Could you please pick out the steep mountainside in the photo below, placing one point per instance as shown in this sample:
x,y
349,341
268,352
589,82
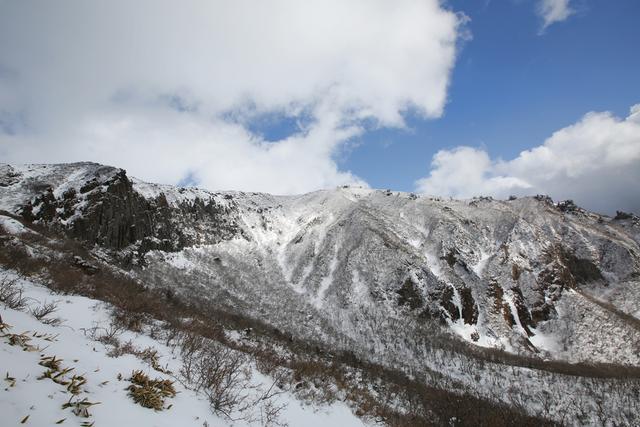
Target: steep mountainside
x,y
362,265
392,277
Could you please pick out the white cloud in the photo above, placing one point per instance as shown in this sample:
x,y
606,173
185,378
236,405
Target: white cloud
x,y
595,162
466,172
165,89
552,11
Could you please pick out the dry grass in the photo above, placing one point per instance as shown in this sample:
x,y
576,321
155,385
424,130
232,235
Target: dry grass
x,y
11,381
21,340
148,355
150,393
80,407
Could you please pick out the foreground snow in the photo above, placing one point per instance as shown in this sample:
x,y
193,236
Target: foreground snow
x,y
39,402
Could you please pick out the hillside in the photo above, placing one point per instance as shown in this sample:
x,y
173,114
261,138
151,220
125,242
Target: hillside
x,y
97,362
447,292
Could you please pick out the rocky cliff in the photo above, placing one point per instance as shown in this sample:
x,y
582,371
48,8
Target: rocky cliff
x,y
98,205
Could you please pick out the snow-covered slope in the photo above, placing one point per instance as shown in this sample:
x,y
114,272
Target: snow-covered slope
x,y
101,398
357,263
397,279
348,264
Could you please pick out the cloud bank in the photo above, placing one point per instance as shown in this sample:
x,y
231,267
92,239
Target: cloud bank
x,y
552,11
595,162
169,89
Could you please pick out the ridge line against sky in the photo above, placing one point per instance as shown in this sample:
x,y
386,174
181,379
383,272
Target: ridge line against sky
x,y
288,97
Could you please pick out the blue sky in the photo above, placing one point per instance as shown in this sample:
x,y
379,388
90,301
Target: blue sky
x,y
506,96
512,88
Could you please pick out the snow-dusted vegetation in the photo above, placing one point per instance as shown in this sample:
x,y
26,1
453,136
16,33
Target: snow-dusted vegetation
x,y
398,309
65,360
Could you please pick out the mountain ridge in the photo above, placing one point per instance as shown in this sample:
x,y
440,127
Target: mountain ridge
x,y
395,278
303,237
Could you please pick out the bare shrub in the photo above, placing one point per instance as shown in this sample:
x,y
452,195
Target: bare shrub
x,y
191,345
220,373
270,413
131,320
106,335
11,293
270,409
44,311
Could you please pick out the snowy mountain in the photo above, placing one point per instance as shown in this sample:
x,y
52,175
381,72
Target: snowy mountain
x,y
446,291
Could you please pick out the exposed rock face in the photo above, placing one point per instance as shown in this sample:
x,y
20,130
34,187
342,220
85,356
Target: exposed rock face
x,y
101,207
107,213
8,176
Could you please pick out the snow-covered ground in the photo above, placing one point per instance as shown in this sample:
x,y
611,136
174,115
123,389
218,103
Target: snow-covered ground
x,y
26,344
12,226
